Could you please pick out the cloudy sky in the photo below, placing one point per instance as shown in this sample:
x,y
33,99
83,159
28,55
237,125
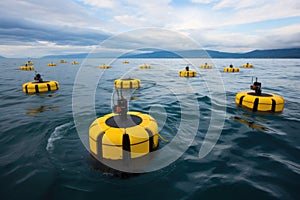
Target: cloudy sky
x,y
33,28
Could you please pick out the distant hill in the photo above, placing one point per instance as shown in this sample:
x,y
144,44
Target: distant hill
x,y
79,55
273,53
152,53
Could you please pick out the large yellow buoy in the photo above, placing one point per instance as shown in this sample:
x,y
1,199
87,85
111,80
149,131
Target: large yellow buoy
x,y
74,63
38,87
28,67
112,138
258,101
127,83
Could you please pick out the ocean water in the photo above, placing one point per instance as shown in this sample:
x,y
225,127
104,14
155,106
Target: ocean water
x,y
250,155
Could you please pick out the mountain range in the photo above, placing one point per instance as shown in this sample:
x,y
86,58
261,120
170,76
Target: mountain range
x,y
153,53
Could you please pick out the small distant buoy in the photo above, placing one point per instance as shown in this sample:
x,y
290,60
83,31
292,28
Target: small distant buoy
x,y
104,66
206,66
63,61
125,62
116,139
127,83
259,101
74,63
51,64
38,87
247,65
229,69
29,67
189,73
145,66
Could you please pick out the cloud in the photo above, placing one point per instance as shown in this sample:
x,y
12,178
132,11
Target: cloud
x,y
221,24
102,3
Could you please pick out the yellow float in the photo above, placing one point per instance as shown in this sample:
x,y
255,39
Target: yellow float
x,y
123,134
74,63
229,69
145,67
104,66
38,87
63,61
247,65
28,67
190,73
127,83
125,62
206,66
112,137
258,101
51,64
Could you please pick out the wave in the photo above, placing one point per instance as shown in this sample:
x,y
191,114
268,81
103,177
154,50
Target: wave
x,y
58,134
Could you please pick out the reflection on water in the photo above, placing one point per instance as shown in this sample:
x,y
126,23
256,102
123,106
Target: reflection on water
x,y
251,124
32,111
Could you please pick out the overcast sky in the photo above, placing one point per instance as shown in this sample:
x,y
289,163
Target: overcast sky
x,y
33,28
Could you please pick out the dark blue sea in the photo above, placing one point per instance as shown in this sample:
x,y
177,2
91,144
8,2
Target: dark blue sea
x,y
215,149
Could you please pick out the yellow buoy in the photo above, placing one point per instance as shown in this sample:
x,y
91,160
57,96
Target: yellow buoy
x,y
229,69
206,66
145,67
63,61
74,63
258,101
127,83
28,67
104,66
38,87
266,102
189,73
125,62
115,139
51,64
247,65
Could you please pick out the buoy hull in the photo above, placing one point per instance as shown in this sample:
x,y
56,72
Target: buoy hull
x,y
185,73
267,102
36,87
127,83
110,140
27,68
228,69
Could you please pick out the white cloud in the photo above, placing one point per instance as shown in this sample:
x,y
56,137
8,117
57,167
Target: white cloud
x,y
202,1
101,3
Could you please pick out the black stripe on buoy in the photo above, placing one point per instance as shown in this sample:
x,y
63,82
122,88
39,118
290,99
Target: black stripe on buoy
x,y
151,142
255,104
49,88
37,89
131,85
56,85
26,88
241,100
99,145
273,105
126,146
121,84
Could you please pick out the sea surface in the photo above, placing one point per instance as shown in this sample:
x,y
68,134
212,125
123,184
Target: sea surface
x,y
248,155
